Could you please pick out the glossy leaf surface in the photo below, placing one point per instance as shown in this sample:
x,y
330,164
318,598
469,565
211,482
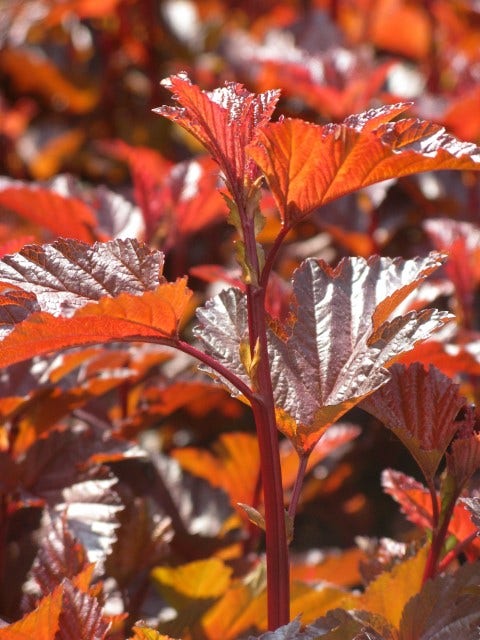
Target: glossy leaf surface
x,y
308,165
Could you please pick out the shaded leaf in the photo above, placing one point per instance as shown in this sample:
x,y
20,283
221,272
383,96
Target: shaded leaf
x,y
308,165
291,631
32,73
420,407
343,340
81,616
339,624
447,606
59,556
233,466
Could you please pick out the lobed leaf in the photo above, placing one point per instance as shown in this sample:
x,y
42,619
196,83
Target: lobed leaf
x,y
308,165
420,406
343,340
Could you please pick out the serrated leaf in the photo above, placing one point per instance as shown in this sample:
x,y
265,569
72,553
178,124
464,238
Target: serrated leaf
x,y
67,274
42,623
290,631
225,121
413,497
153,316
473,505
420,406
81,615
447,607
343,340
463,458
308,165
59,556
404,580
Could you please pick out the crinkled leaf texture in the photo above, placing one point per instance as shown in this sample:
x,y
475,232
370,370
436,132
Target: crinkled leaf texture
x,y
225,121
87,295
420,407
446,607
344,338
290,631
308,165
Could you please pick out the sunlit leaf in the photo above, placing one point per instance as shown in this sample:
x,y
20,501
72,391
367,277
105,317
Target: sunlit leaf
x,y
42,623
191,589
153,316
63,216
81,616
225,121
420,407
343,340
308,165
413,497
143,633
67,274
404,580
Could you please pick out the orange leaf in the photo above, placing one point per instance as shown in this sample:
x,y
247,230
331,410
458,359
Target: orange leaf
x,y
63,216
41,624
153,316
30,73
308,165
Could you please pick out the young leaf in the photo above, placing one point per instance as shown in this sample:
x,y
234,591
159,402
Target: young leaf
x,y
308,165
413,497
420,407
343,340
225,121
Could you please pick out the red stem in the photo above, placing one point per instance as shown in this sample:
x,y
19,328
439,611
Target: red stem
x,y
439,534
278,579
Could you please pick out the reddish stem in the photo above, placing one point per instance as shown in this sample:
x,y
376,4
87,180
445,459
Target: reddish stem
x,y
439,534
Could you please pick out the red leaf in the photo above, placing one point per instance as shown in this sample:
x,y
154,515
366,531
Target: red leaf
x,y
63,216
308,165
420,407
414,499
225,121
